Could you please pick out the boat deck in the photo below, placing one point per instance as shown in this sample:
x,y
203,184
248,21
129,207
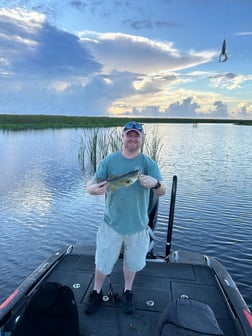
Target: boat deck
x,y
154,287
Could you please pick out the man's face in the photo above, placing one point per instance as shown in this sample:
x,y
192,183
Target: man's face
x,y
132,140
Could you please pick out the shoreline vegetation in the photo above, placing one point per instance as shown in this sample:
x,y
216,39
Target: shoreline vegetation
x,y
16,122
97,143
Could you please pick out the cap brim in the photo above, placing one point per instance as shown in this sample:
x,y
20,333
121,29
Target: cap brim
x,y
133,129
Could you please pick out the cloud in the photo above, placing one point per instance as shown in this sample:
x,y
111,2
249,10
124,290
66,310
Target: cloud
x,y
47,70
228,80
39,58
79,75
186,108
97,95
190,108
139,54
79,5
148,24
243,34
243,111
50,9
29,42
220,111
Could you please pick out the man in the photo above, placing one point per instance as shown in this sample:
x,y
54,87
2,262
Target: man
x,y
125,215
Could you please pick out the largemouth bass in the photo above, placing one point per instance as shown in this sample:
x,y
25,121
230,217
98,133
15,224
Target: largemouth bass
x,y
122,181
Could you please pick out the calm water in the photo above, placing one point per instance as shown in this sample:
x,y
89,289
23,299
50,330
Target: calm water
x,y
43,203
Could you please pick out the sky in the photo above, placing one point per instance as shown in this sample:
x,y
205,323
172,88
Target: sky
x,y
144,58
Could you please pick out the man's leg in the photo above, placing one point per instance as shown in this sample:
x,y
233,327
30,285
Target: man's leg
x,y
108,245
135,251
128,278
99,280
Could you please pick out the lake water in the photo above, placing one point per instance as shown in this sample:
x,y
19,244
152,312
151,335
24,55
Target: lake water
x,y
44,205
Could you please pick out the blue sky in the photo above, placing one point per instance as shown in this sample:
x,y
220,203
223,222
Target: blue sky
x,y
155,58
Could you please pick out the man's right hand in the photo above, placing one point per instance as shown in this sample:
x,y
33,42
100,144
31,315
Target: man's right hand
x,y
94,188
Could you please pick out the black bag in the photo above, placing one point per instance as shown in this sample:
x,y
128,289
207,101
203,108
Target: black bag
x,y
188,317
51,311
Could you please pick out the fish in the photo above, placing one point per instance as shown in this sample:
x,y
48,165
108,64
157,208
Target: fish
x,y
126,180
223,52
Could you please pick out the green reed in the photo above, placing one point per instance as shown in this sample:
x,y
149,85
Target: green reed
x,y
97,143
153,147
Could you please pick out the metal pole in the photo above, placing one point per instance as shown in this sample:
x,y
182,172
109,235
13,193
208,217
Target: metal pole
x,y
171,216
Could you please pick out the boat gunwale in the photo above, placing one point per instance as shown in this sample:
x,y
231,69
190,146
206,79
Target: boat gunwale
x,y
31,283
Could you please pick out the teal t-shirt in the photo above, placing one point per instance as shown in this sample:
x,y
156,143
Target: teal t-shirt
x,y
126,209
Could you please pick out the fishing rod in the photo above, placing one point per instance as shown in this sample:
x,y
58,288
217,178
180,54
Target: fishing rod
x,y
223,55
112,295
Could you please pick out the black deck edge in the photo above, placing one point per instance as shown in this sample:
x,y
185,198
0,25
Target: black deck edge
x,y
31,282
234,298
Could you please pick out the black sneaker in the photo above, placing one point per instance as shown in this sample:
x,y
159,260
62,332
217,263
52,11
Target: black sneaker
x,y
93,301
128,305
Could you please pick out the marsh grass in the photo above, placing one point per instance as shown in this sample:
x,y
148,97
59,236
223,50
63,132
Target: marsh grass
x,y
18,122
153,147
97,143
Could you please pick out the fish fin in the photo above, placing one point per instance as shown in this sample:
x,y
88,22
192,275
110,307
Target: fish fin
x,y
99,180
112,189
111,177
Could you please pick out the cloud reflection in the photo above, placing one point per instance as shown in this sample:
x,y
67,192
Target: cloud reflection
x,y
31,196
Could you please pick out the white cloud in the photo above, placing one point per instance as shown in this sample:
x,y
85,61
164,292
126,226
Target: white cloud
x,y
243,34
139,54
230,81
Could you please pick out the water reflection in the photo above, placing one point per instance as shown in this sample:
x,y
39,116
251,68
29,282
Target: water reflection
x,y
27,200
43,203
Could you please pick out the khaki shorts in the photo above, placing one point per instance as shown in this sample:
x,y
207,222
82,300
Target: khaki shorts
x,y
108,248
